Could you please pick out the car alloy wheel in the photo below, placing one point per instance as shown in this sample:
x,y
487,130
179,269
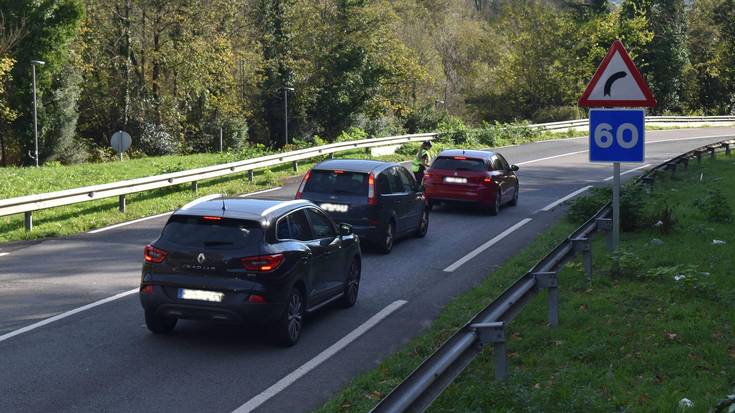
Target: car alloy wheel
x,y
423,224
496,205
387,243
514,202
352,287
295,316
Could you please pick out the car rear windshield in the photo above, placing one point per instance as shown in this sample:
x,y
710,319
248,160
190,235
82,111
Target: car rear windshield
x,y
212,232
337,182
459,163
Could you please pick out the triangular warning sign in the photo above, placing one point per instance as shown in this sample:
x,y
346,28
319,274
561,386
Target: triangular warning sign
x,y
617,82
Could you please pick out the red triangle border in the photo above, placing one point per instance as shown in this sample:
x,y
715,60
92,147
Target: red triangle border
x,y
649,100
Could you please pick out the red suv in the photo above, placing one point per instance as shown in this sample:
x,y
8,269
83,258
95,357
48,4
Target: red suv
x,y
480,177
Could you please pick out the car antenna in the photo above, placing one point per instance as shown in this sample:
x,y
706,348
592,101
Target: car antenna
x,y
223,202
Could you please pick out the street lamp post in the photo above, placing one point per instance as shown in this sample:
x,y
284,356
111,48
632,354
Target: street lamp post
x,y
285,110
35,110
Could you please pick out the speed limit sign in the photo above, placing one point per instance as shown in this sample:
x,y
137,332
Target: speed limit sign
x,y
617,135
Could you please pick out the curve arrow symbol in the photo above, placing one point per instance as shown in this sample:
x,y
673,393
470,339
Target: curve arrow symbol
x,y
611,80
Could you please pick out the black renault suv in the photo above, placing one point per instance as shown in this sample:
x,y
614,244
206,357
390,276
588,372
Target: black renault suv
x,y
248,260
381,200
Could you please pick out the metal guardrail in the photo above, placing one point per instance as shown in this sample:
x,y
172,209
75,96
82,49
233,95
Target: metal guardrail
x,y
436,373
579,123
30,203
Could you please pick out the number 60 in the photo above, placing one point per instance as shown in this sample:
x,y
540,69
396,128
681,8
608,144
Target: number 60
x,y
604,138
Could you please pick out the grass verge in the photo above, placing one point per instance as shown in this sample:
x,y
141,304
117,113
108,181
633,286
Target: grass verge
x,y
641,339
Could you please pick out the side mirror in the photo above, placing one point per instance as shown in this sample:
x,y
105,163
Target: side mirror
x,y
514,168
345,229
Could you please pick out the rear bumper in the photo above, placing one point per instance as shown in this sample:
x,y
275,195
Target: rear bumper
x,y
371,233
234,308
482,195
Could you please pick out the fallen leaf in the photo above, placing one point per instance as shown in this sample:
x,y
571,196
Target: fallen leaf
x,y
672,336
375,395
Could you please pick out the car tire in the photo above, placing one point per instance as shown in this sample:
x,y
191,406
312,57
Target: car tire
x,y
289,325
423,224
158,324
385,245
495,207
514,202
352,285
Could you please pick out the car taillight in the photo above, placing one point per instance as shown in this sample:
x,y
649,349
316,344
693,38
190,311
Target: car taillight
x,y
487,180
153,254
372,199
263,263
256,299
148,289
300,192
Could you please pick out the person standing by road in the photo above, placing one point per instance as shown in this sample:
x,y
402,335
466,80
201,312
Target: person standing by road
x,y
422,161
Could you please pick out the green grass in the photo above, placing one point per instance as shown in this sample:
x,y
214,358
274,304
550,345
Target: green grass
x,y
635,341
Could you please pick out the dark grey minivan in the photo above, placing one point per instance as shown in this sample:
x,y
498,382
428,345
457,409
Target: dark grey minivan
x,y
381,200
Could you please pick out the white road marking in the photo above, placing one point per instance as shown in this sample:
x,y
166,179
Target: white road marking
x,y
283,383
66,314
610,178
477,251
261,192
561,200
2,254
551,157
135,221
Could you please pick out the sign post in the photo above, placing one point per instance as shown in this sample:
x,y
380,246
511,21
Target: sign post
x,y
617,135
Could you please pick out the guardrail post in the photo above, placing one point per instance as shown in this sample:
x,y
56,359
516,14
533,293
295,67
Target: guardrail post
x,y
295,166
605,225
548,280
727,148
121,203
28,221
194,186
711,153
367,151
251,175
494,333
699,158
584,246
685,162
331,155
672,167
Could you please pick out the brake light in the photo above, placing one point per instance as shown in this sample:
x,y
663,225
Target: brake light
x,y
372,200
300,192
263,263
256,299
339,172
460,158
488,180
212,218
153,254
148,289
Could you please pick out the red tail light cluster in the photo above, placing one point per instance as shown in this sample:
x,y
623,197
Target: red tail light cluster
x,y
263,263
148,289
154,255
372,198
487,180
300,192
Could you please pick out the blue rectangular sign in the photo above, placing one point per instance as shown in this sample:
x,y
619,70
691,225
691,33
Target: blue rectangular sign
x,y
617,135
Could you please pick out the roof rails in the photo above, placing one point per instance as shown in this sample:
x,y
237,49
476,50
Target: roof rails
x,y
200,200
283,204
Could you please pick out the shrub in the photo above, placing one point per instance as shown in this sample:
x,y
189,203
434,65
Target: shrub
x,y
582,208
556,114
625,263
155,140
352,134
715,206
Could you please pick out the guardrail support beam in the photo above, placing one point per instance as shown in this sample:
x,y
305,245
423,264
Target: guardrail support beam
x,y
121,203
584,246
28,221
331,155
727,148
295,166
494,333
548,280
605,225
251,175
685,162
711,153
699,158
194,186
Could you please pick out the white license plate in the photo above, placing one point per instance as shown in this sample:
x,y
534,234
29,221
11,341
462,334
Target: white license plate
x,y
201,295
335,207
453,180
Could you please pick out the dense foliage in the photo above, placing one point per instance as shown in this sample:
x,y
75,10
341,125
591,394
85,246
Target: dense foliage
x,y
177,73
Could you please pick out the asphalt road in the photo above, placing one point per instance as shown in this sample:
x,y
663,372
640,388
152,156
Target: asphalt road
x,y
104,359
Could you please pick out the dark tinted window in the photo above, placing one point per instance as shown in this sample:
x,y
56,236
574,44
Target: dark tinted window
x,y
282,229
409,182
337,182
321,226
199,232
299,226
503,162
389,182
459,164
497,165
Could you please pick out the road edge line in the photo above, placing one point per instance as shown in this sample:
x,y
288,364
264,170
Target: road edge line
x,y
472,254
